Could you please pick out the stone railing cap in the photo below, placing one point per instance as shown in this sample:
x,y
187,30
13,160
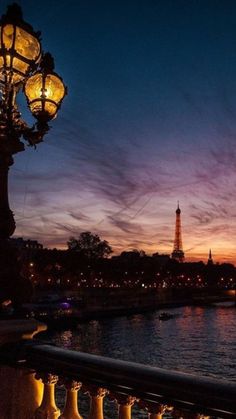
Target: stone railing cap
x,y
17,329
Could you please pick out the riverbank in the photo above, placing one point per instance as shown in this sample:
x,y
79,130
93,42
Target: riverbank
x,y
70,309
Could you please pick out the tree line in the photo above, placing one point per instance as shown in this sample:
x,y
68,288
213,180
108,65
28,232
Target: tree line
x,y
86,262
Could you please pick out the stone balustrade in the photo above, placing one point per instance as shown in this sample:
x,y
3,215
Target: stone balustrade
x,y
32,373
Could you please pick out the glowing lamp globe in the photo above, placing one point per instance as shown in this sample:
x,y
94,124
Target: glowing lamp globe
x,y
20,49
45,91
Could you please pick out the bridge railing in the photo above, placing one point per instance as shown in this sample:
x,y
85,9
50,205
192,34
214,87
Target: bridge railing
x,y
155,392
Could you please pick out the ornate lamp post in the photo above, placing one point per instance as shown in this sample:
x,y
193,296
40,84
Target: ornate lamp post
x,y
23,66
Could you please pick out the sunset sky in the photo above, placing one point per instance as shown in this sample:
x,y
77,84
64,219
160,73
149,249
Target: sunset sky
x,y
150,119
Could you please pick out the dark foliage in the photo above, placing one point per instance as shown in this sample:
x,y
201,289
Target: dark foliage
x,y
90,246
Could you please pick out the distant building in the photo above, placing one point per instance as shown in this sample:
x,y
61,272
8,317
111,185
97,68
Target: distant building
x,y
161,259
28,244
210,260
178,253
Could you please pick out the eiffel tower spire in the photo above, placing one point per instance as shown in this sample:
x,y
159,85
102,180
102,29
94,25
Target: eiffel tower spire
x,y
178,253
210,260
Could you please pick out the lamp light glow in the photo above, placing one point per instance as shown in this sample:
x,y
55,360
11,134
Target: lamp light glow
x,y
20,48
45,91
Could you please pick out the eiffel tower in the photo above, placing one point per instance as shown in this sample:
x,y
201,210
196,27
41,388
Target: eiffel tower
x,y
178,253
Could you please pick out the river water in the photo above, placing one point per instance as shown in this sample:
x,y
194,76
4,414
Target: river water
x,y
199,340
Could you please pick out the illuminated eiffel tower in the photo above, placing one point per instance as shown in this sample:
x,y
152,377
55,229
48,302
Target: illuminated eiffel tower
x,y
178,253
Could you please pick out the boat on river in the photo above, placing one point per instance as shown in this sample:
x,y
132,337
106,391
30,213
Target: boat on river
x,y
165,316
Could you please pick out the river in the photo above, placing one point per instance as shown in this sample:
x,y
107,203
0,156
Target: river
x,y
199,340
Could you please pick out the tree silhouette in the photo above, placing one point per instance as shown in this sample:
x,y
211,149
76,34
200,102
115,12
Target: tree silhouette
x,y
90,246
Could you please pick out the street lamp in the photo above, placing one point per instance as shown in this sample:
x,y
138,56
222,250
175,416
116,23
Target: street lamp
x,y
23,67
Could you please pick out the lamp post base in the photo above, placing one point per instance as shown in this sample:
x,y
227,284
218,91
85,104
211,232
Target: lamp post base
x,y
12,285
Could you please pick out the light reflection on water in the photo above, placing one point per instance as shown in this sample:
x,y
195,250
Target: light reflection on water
x,y
199,340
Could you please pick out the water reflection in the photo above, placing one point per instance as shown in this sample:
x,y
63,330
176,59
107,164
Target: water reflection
x,y
197,339
65,339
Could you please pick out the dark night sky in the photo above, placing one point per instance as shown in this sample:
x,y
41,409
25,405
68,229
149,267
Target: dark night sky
x,y
150,119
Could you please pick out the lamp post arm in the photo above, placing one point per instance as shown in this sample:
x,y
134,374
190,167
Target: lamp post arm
x,y
35,134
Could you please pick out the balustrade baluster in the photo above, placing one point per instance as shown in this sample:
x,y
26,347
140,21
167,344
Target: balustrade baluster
x,y
125,404
156,412
96,401
71,404
48,408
